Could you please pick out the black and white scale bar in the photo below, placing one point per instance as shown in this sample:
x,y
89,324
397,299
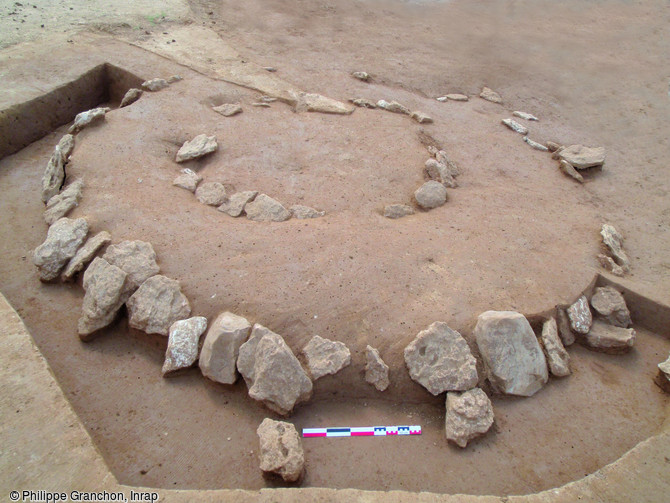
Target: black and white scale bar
x,y
363,431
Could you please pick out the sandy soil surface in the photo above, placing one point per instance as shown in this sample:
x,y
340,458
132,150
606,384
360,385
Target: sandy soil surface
x,y
515,235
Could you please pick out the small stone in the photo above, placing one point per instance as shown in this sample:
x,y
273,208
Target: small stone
x,y
106,291
583,157
611,265
131,96
511,352
440,360
431,195
61,204
515,126
261,104
364,76
556,154
421,118
435,170
606,338
663,376
362,102
136,258
398,210
580,316
567,169
156,305
524,115
267,99
610,304
325,357
614,242
64,238
85,119
273,374
443,158
66,146
265,209
311,102
154,85
457,97
376,371
303,212
564,329
228,109
490,95
281,450
182,349
218,357
211,193
199,146
469,415
441,99
270,69
188,179
54,175
174,78
85,254
237,202
393,106
557,357
535,145
553,146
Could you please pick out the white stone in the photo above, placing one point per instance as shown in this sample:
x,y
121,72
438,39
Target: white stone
x,y
614,242
431,195
182,349
304,212
397,210
154,85
85,119
218,357
376,371
131,96
64,238
607,338
228,109
237,202
515,126
281,450
325,357
524,115
187,179
490,95
265,209
137,258
535,145
457,97
211,193
393,106
85,254
199,146
469,415
581,157
557,357
156,305
611,306
61,204
580,316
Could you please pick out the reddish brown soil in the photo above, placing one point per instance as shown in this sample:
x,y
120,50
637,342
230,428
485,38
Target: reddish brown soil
x,y
515,235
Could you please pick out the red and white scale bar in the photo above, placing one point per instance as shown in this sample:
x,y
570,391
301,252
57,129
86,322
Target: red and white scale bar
x,y
363,431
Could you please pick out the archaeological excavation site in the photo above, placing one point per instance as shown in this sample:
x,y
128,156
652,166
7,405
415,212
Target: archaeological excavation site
x,y
359,250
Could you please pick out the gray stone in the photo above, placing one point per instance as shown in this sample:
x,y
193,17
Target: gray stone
x,y
431,195
272,372
557,357
218,357
325,357
211,193
663,376
310,102
511,352
569,170
441,99
136,258
457,97
364,103
54,175
440,360
535,145
131,96
85,254
614,242
469,415
261,104
268,99
524,115
564,329
580,316
610,304
364,76
435,170
515,126
154,85
583,157
421,117
85,119
106,290
237,202
228,109
490,95
553,146
61,204
376,371
556,154
265,209
187,179
66,146
393,106
182,349
443,158
611,265
199,146
64,238
303,212
281,450
398,210
156,305
174,78
606,338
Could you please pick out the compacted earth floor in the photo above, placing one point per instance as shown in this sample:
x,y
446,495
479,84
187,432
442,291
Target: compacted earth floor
x,y
515,235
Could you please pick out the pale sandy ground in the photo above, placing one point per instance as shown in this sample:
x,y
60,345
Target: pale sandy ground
x,y
515,235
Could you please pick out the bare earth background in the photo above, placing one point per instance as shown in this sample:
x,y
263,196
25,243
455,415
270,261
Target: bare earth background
x,y
515,235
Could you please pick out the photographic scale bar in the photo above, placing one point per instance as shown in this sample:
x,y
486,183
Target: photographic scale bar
x,y
363,431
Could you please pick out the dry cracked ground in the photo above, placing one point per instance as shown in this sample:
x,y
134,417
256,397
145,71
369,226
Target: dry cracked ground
x,y
516,234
